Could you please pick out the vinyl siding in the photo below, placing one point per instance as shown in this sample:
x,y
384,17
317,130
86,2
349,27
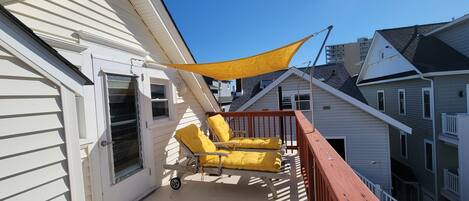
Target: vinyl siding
x,y
117,21
33,155
85,164
166,148
366,136
421,128
456,37
113,20
448,100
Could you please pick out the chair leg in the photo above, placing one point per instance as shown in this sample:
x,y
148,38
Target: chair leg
x,y
271,186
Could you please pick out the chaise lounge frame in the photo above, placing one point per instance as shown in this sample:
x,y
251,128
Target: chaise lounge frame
x,y
189,165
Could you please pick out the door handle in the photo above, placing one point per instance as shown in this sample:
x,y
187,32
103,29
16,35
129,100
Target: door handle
x,y
105,143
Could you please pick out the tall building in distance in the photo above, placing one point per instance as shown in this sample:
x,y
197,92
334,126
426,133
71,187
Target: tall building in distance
x,y
351,55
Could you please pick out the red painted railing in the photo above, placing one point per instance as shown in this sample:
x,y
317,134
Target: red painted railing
x,y
327,177
264,124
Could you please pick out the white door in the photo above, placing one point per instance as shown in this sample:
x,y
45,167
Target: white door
x,y
124,142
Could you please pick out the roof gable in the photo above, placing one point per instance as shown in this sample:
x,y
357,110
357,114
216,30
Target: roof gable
x,y
331,90
383,60
426,53
164,30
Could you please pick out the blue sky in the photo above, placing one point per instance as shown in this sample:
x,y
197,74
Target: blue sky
x,y
218,30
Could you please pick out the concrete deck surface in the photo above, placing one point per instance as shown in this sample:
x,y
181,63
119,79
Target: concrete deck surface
x,y
235,188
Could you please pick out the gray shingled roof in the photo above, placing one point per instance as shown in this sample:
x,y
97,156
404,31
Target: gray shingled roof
x,y
426,53
334,75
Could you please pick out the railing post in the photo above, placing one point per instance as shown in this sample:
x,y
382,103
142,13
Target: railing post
x,y
378,191
250,129
445,179
443,122
282,127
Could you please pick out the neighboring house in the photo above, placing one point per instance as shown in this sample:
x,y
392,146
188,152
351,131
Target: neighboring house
x,y
334,75
102,84
221,90
357,131
419,76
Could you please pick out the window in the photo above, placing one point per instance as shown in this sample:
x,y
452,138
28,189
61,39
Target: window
x,y
380,100
265,83
428,155
401,101
302,102
426,103
159,101
403,141
296,100
122,92
286,103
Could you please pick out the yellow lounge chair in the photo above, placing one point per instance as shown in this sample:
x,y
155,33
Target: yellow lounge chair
x,y
224,135
202,156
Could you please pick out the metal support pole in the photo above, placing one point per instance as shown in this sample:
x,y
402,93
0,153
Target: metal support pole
x,y
219,94
311,73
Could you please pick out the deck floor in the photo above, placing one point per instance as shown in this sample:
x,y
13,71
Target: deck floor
x,y
234,188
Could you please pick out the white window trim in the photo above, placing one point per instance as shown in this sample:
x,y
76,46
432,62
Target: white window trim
x,y
292,94
401,134
169,92
399,102
377,100
431,103
425,142
345,143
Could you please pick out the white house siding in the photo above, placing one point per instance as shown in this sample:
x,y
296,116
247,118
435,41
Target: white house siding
x,y
456,37
114,20
383,61
117,21
33,154
367,140
187,111
85,163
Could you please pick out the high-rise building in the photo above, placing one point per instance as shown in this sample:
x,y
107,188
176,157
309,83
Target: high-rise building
x,y
351,55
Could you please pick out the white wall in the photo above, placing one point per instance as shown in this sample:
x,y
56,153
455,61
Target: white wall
x,y
32,138
116,21
392,63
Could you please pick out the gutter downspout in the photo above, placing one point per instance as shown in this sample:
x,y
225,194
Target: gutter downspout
x,y
432,108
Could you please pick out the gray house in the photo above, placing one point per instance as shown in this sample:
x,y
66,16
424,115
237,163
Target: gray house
x,y
357,131
419,76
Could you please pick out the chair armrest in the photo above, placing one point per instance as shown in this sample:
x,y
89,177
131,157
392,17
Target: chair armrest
x,y
211,153
230,144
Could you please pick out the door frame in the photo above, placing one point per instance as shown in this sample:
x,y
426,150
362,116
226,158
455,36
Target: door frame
x,y
103,66
345,144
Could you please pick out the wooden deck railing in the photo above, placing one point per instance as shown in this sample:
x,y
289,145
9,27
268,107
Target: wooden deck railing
x,y
280,124
327,177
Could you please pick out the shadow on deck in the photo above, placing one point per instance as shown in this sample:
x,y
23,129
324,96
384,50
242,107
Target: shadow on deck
x,y
235,188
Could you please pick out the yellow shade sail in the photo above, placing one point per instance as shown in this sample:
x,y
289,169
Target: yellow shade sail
x,y
266,62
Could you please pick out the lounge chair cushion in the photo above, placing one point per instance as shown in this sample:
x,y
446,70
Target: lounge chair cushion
x,y
219,126
269,161
195,139
257,143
